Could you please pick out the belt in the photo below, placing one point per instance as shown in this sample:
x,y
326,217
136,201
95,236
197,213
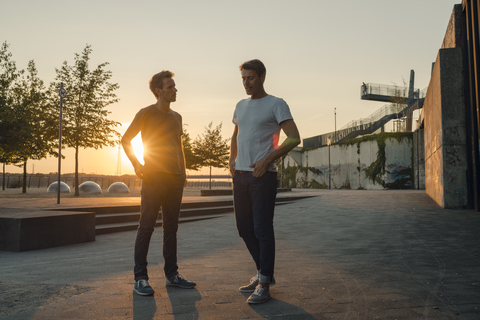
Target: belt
x,y
242,172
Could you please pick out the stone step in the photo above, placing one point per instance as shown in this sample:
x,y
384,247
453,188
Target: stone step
x,y
111,220
129,226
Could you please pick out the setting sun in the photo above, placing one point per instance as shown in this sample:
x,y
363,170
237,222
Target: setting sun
x,y
137,149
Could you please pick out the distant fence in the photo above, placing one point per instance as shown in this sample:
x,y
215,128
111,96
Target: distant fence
x,y
206,184
16,181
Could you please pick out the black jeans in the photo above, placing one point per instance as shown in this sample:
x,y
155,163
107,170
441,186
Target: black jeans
x,y
254,203
163,190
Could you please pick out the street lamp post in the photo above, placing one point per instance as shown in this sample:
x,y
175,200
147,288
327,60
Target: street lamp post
x,y
335,111
329,170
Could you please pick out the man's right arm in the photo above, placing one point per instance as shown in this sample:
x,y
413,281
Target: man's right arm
x,y
233,151
131,133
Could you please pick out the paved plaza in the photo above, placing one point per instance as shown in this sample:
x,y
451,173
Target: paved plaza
x,y
341,254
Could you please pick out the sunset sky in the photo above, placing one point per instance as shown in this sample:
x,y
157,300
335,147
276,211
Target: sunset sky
x,y
317,55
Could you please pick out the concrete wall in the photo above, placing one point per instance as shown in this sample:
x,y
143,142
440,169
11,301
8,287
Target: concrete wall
x,y
453,34
419,159
347,165
444,124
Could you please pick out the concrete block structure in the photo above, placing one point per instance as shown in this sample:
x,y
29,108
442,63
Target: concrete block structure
x,y
443,154
34,230
444,123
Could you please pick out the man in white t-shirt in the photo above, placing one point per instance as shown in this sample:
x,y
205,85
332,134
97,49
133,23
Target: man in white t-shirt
x,y
254,149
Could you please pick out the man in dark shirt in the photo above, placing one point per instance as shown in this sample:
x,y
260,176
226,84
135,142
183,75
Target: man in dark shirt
x,y
163,177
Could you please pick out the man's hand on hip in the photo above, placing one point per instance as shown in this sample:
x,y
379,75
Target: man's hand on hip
x,y
231,166
260,167
140,171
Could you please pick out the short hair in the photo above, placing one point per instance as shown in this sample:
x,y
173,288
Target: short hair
x,y
255,65
157,80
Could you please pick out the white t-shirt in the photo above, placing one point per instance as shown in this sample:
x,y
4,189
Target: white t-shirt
x,y
258,122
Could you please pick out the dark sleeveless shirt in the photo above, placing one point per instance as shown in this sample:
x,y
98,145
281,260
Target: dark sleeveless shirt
x,y
161,136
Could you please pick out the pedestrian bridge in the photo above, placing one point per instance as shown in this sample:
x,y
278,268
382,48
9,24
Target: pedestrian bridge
x,y
409,99
386,93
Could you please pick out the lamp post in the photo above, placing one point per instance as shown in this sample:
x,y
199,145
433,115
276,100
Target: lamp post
x,y
335,111
329,171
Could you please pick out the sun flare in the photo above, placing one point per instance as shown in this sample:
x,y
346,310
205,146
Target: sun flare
x,y
138,148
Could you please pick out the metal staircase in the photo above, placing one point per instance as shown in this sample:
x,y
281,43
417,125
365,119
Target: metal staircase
x,y
366,125
403,100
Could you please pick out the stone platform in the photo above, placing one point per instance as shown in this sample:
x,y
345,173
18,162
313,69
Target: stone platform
x,y
27,224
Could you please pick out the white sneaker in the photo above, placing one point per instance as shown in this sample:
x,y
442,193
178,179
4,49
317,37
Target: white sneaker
x,y
253,284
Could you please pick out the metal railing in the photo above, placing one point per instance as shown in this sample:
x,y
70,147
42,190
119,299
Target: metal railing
x,y
390,90
385,110
374,117
16,181
363,126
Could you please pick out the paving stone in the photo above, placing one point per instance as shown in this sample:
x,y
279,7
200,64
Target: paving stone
x,y
343,254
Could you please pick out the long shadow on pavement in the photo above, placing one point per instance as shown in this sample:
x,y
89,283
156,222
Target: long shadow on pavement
x,y
183,302
277,308
144,308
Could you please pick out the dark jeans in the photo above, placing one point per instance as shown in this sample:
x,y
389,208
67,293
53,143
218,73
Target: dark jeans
x,y
163,190
254,202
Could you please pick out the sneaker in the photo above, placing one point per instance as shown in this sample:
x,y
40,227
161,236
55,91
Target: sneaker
x,y
180,281
142,288
253,284
260,295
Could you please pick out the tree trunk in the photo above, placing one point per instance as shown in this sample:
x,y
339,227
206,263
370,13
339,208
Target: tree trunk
x,y
3,180
210,178
75,183
24,189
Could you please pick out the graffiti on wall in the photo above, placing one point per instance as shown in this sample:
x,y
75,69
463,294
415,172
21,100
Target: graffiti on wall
x,y
361,163
401,177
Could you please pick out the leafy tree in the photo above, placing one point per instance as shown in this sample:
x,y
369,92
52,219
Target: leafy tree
x,y
89,92
34,121
211,149
192,162
8,76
